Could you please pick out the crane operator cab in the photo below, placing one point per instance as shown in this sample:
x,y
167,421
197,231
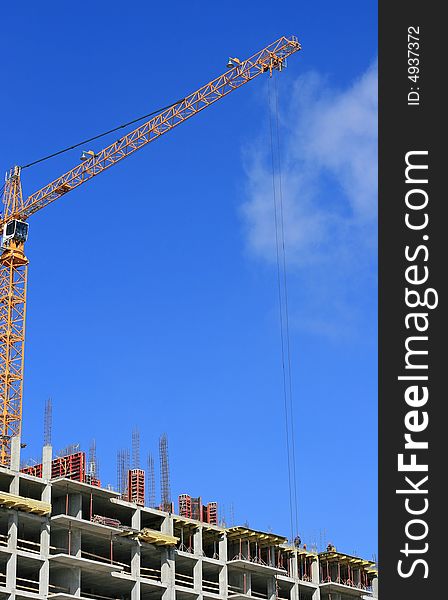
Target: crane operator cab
x,y
14,230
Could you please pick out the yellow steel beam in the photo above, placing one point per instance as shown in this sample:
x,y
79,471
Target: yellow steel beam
x,y
29,505
152,536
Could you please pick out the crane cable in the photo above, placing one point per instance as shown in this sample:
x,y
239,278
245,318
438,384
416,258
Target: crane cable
x,y
279,291
282,290
288,337
101,135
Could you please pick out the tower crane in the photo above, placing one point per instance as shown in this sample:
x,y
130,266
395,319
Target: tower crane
x,y
17,210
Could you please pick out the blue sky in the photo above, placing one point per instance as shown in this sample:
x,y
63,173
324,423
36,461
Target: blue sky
x,y
152,289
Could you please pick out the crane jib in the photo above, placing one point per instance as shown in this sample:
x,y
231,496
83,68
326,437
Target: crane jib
x,y
272,57
14,228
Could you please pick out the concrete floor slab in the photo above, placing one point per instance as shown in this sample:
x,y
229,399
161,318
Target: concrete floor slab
x,y
86,564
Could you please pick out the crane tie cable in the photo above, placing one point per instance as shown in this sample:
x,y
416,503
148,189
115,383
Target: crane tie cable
x,y
100,135
282,290
285,288
280,305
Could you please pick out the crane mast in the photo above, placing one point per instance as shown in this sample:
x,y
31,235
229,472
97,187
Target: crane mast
x,y
17,210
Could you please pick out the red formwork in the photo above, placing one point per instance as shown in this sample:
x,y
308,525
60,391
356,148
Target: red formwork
x,y
72,466
35,470
193,508
211,513
196,509
92,481
185,505
136,486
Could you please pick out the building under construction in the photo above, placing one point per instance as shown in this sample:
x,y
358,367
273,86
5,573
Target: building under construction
x,y
62,537
62,534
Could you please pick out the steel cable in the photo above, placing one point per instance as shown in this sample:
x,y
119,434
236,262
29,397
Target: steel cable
x,y
100,135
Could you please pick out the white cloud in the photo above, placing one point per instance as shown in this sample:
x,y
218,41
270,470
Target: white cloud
x,y
329,172
329,179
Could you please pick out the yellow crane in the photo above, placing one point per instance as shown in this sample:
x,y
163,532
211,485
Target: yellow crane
x,y
17,210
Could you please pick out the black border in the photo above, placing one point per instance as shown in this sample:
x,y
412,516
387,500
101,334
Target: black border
x,y
403,128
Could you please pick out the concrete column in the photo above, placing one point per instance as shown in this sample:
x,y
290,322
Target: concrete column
x,y
375,587
247,582
271,588
47,457
11,570
136,554
47,453
135,569
223,582
44,574
240,581
68,578
295,591
197,569
223,573
168,573
294,565
197,576
14,464
136,519
13,529
135,558
15,453
167,566
197,541
72,580
71,539
223,548
75,542
316,594
59,539
271,556
167,525
13,518
315,578
75,505
315,575
135,591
